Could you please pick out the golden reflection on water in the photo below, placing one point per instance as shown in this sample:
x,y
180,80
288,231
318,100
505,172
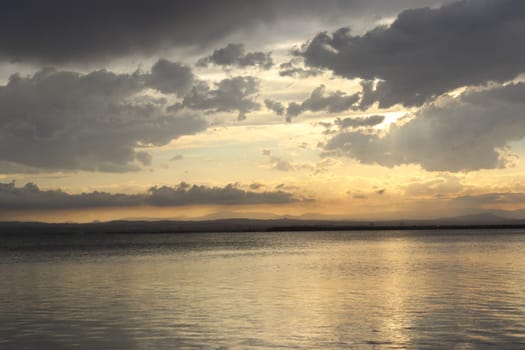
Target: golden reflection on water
x,y
244,291
395,328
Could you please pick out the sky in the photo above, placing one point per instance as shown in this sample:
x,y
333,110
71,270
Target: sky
x,y
335,109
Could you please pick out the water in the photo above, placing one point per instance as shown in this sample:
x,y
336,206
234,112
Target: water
x,y
298,290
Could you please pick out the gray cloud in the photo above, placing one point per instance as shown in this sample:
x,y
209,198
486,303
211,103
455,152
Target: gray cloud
x,y
281,164
235,55
468,133
360,121
171,77
57,31
255,186
230,95
278,163
489,199
177,157
427,52
103,121
31,197
438,187
339,124
96,121
295,68
185,194
275,106
319,100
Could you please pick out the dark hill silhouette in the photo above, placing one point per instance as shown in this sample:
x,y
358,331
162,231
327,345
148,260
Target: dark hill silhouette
x,y
484,220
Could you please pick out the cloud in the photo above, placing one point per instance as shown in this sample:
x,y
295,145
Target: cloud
x,y
295,68
31,197
490,200
278,163
185,194
275,106
100,121
58,31
177,157
255,186
360,121
467,133
282,164
171,77
104,121
426,52
235,55
436,187
230,95
332,102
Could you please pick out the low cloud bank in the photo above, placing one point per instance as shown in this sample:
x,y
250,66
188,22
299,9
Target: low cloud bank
x,y
31,197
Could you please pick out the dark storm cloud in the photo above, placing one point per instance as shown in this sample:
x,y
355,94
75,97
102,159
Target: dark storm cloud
x,y
57,31
427,52
235,55
230,95
31,197
469,133
97,121
320,100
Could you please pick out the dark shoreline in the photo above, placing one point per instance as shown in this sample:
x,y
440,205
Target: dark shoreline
x,y
237,225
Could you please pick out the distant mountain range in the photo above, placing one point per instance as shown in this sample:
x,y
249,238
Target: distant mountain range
x,y
473,217
483,220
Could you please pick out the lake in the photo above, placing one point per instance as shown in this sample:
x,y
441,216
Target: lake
x,y
461,289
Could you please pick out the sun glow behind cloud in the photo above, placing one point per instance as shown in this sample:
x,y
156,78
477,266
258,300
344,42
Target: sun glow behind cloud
x,y
363,108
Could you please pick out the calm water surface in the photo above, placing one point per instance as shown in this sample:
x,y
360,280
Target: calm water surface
x,y
299,290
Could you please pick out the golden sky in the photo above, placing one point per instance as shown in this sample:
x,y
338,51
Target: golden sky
x,y
352,110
